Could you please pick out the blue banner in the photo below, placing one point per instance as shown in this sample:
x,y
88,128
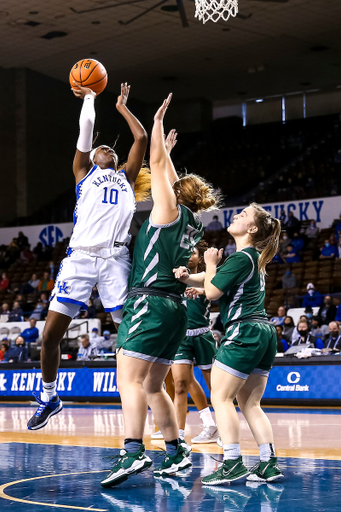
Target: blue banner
x,y
287,382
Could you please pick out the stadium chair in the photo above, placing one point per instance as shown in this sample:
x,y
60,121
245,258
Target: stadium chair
x,y
4,331
15,330
323,286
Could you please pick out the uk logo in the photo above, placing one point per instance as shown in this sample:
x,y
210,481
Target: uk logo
x,y
63,287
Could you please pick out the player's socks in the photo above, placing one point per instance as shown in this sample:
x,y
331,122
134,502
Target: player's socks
x,y
231,451
182,433
206,417
49,390
132,445
266,451
171,447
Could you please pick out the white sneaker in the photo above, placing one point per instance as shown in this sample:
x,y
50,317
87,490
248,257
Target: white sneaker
x,y
157,435
219,442
208,435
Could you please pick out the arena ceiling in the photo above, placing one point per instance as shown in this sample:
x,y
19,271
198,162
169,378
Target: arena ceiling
x,y
272,47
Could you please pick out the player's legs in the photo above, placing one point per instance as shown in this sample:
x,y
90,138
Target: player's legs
x,y
54,330
182,375
210,432
197,394
225,387
207,376
249,398
131,374
160,402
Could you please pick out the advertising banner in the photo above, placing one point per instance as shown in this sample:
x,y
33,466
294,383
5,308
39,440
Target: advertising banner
x,y
285,382
324,210
47,234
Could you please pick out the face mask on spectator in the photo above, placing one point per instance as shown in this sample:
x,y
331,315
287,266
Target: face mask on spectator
x,y
309,315
312,225
327,244
303,333
311,292
334,334
285,237
288,272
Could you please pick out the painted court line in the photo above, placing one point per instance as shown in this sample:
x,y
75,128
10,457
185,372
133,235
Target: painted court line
x,y
28,502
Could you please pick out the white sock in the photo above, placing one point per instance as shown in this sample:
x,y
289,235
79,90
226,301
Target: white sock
x,y
182,433
231,451
206,417
266,451
49,390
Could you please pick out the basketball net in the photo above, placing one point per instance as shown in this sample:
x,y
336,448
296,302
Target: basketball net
x,y
215,10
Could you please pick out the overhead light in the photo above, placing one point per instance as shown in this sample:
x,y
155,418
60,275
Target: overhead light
x,y
259,101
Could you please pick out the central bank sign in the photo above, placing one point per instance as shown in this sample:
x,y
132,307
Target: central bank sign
x,y
323,210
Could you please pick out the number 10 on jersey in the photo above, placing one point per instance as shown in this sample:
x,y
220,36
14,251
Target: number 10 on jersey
x,y
113,196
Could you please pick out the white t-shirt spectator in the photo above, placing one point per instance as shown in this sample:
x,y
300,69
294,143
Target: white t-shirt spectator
x,y
86,353
230,249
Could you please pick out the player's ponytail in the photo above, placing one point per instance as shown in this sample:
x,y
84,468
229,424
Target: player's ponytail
x,y
142,187
196,193
266,238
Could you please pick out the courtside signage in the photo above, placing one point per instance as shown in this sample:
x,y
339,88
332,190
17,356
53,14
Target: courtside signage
x,y
296,382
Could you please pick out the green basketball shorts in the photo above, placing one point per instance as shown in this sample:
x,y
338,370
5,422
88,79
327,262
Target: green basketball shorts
x,y
152,328
248,347
200,349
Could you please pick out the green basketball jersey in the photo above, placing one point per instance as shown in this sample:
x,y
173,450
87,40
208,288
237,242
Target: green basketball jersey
x,y
160,249
243,286
198,312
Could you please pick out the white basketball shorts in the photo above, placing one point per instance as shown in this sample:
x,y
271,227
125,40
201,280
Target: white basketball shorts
x,y
79,273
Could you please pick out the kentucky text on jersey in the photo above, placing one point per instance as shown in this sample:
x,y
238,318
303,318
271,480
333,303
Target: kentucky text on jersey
x,y
109,178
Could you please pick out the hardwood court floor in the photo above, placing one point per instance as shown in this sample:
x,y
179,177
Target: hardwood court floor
x,y
60,466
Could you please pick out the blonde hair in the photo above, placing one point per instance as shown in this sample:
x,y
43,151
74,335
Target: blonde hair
x,y
142,187
266,238
196,193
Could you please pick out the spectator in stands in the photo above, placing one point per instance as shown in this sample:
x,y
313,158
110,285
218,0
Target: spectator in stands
x,y
215,225
4,283
292,255
46,283
283,244
96,299
4,348
53,270
312,298
327,311
304,336
31,334
333,342
18,353
312,231
217,335
26,254
293,224
283,218
279,319
38,310
38,251
333,240
22,240
289,279
13,251
31,286
338,249
297,242
230,248
277,258
288,328
89,313
282,345
87,350
16,315
317,329
328,251
4,309
338,314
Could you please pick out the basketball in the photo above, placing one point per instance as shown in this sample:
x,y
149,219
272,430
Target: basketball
x,y
89,73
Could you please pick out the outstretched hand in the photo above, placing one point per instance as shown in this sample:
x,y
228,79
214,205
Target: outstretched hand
x,y
171,140
160,114
81,92
123,97
213,256
194,293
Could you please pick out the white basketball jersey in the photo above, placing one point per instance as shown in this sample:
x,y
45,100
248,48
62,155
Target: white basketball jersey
x,y
104,210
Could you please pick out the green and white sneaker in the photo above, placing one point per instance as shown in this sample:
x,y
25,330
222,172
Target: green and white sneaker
x,y
229,471
187,446
267,471
173,463
127,465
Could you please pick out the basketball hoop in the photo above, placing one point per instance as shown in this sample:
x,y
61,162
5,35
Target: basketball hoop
x,y
215,10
